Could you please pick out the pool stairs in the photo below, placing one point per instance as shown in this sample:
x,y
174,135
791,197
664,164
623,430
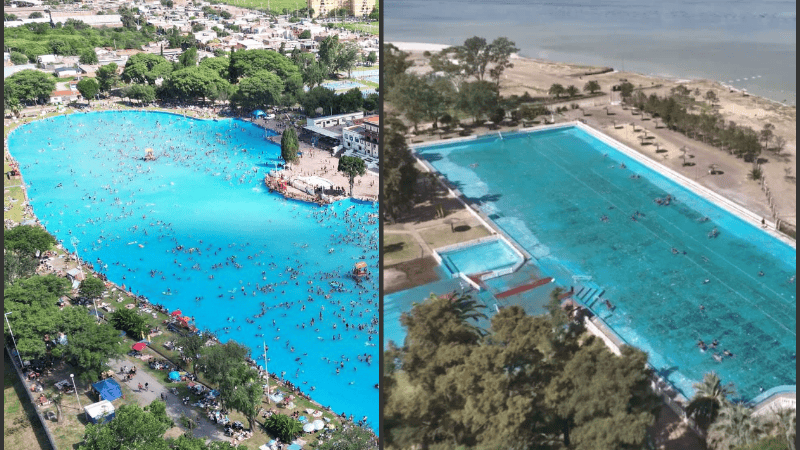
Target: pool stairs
x,y
589,295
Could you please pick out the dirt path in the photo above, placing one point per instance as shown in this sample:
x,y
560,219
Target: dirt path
x,y
175,407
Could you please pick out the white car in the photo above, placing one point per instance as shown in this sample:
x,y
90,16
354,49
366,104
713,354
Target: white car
x,y
270,116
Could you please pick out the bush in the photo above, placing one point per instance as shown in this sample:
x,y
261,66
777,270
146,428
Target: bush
x,y
283,427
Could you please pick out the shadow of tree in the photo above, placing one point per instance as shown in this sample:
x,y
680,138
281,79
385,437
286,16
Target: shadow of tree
x,y
391,248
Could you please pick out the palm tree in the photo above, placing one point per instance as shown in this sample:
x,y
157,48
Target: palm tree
x,y
783,423
468,309
735,427
556,90
710,396
591,86
572,91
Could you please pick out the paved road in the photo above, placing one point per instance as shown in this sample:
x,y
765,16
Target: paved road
x,y
175,407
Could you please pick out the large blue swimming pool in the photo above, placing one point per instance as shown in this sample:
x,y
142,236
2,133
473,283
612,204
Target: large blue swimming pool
x,y
196,230
564,196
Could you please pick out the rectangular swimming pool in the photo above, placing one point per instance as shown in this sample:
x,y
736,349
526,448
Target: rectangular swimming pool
x,y
581,207
480,257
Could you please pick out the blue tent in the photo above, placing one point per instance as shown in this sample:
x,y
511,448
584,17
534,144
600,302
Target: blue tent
x,y
108,389
259,113
175,375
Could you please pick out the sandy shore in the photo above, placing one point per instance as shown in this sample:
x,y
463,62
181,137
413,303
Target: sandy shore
x,y
603,112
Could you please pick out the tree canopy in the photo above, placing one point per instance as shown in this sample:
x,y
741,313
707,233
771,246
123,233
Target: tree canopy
x,y
525,382
352,166
131,428
29,86
89,88
289,145
27,239
260,90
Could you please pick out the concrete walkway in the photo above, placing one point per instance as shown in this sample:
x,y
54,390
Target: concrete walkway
x,y
175,407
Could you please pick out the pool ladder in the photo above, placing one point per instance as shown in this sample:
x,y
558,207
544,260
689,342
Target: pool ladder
x,y
589,295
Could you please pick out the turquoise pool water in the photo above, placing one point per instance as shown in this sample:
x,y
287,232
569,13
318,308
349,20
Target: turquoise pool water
x,y
481,257
197,230
564,197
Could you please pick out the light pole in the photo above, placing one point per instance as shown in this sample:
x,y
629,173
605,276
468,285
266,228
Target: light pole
x,y
13,340
72,377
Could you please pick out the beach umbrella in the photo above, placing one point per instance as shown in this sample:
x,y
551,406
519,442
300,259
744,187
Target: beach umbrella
x,y
175,375
177,312
139,346
318,424
308,428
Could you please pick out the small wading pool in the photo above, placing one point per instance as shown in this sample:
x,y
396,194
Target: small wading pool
x,y
493,255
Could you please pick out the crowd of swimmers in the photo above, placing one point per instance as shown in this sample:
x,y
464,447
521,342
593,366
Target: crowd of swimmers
x,y
292,292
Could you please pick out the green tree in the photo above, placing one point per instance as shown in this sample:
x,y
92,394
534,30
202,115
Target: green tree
x,y
711,96
91,288
188,58
217,360
591,86
735,427
145,68
90,345
131,428
195,83
36,15
352,166
193,345
556,90
350,101
372,58
89,88
709,397
477,98
349,437
395,62
35,314
572,91
129,321
260,90
289,145
30,86
500,51
7,17
767,133
399,173
18,58
219,64
241,389
474,56
588,417
107,76
345,58
18,266
88,57
313,75
283,427
328,51
245,63
306,34
143,93
626,89
27,239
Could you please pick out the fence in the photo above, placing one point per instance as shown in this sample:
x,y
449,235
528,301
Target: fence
x,y
18,369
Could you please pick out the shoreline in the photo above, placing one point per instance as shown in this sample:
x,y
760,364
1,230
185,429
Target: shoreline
x,y
28,214
431,47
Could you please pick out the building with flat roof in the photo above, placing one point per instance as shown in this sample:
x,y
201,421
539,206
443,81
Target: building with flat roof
x,y
330,121
356,8
362,138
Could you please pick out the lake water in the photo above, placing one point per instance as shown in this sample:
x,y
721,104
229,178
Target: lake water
x,y
197,230
747,44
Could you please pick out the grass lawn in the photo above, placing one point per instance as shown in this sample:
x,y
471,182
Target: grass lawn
x,y
21,427
15,213
367,27
398,248
442,235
